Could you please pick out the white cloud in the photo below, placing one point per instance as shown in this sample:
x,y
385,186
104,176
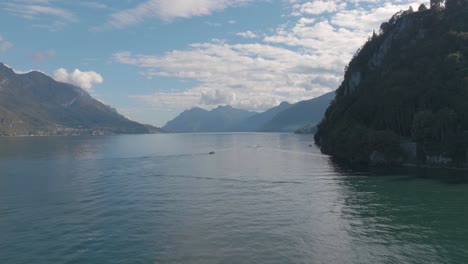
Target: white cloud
x,y
33,11
301,59
40,56
317,7
85,80
247,34
249,76
366,20
340,34
168,10
93,5
4,45
43,13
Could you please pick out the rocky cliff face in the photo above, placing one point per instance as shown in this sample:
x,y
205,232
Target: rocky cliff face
x,y
408,83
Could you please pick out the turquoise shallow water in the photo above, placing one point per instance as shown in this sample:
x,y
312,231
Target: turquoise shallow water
x,y
163,199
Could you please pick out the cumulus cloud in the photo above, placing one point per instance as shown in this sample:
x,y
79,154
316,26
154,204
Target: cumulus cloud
x,y
40,56
317,7
247,34
83,79
301,59
249,76
168,10
4,45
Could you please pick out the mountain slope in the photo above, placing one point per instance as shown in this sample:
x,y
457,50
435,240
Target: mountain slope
x,y
196,119
309,112
282,118
409,83
35,104
256,122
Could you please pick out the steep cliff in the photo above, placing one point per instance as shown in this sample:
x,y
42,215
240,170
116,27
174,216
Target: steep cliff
x,y
408,83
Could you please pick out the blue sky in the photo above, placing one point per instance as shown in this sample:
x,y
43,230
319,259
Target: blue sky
x,y
152,59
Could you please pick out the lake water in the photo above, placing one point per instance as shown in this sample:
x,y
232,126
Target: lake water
x,y
262,198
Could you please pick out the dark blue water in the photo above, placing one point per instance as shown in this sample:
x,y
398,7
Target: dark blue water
x,y
262,198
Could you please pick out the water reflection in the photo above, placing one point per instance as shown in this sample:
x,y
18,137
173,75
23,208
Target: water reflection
x,y
406,215
163,199
51,147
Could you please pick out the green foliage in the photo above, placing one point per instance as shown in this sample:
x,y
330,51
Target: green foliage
x,y
454,5
387,143
413,82
422,7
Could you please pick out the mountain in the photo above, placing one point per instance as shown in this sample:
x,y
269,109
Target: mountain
x,y
196,119
35,104
256,122
285,117
298,115
405,93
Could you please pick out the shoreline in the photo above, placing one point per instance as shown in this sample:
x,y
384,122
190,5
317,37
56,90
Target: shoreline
x,y
417,166
80,135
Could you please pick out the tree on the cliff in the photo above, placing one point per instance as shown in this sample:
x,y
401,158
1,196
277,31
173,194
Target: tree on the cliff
x,y
413,83
455,4
436,4
422,7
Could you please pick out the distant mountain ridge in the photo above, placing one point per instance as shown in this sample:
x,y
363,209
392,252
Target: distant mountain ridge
x,y
300,114
196,119
35,104
258,121
282,118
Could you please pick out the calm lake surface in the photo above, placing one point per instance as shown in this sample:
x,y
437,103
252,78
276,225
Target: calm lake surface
x,y
163,199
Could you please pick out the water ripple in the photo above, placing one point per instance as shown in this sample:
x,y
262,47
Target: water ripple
x,y
147,199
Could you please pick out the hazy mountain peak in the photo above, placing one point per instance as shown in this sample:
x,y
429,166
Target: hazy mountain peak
x,y
219,119
290,117
5,69
282,118
223,107
195,109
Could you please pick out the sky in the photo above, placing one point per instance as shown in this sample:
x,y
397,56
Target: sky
x,y
152,59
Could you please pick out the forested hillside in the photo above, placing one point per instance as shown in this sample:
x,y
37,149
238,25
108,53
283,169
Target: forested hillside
x,y
408,83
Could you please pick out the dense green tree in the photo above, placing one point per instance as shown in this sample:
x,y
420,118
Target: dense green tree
x,y
455,4
411,80
436,4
